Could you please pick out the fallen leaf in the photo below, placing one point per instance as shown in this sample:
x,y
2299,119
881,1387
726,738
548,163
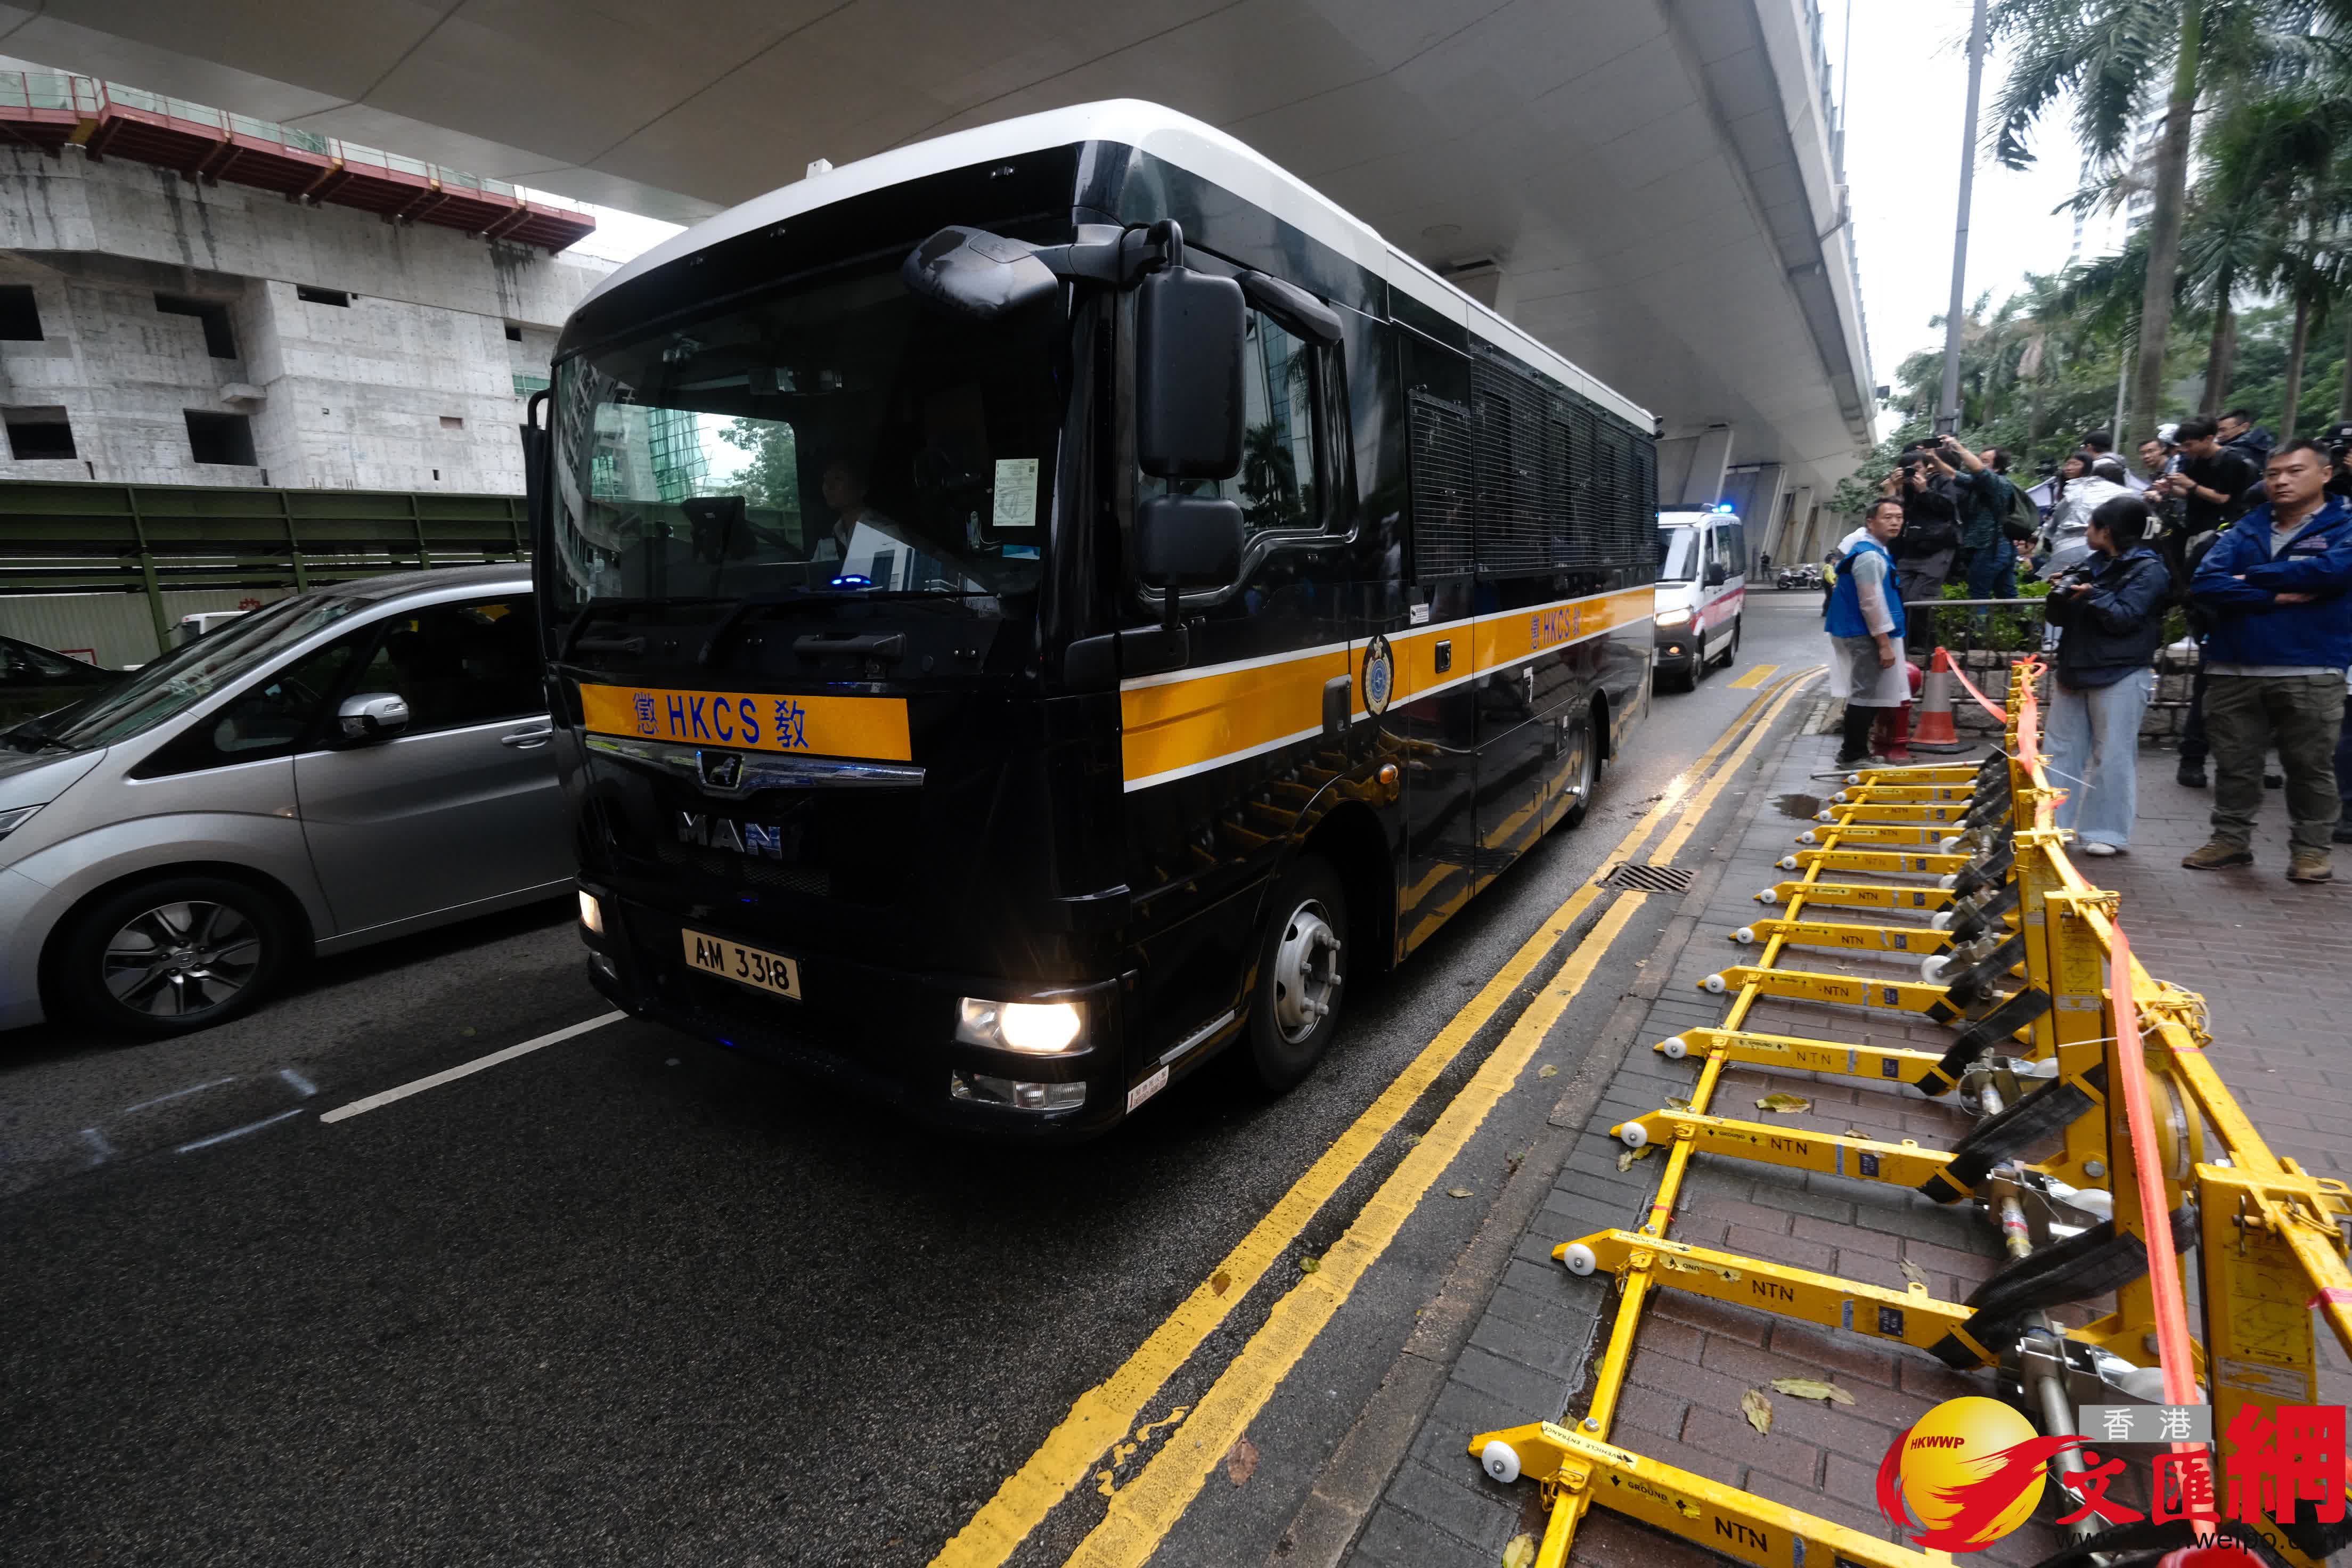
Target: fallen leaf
x,y
1625,1160
1678,1102
1241,1461
1547,1071
1757,1409
468,1031
1786,1104
1220,1282
1413,1140
1914,1273
1310,1265
1457,1192
1810,1388
1855,1132
1520,1553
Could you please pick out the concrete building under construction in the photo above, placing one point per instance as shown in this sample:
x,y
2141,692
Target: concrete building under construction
x,y
192,298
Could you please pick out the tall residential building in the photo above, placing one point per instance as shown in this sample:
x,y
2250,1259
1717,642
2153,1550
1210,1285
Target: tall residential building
x,y
188,297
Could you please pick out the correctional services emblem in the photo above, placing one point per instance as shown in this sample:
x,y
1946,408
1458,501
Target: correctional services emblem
x,y
1379,676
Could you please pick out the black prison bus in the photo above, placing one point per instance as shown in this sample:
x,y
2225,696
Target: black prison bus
x,y
1032,610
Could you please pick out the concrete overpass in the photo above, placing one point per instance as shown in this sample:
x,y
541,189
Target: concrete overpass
x,y
1651,187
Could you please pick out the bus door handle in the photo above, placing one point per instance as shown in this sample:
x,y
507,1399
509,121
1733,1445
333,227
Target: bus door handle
x,y
1338,694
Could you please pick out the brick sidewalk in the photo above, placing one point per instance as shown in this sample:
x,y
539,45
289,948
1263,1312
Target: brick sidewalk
x,y
2271,958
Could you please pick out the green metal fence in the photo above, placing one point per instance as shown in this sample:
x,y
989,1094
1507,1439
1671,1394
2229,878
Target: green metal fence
x,y
80,538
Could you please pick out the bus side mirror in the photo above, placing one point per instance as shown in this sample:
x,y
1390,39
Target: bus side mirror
x,y
1187,541
1188,393
535,445
977,275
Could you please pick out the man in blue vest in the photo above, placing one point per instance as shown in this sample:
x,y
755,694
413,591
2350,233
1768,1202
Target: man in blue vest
x,y
1865,620
2278,586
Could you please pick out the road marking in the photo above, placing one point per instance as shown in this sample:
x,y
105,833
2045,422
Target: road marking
x,y
1672,844
176,1094
236,1131
1142,1511
376,1101
1756,677
1104,1413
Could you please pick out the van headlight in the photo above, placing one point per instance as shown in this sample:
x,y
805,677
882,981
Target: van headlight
x,y
1669,619
1035,1029
15,817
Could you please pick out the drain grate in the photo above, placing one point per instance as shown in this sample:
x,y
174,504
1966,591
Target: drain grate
x,y
1649,878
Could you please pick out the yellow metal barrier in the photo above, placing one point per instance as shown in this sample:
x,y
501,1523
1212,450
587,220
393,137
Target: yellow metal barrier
x,y
2018,960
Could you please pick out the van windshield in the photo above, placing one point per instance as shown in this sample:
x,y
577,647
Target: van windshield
x,y
185,676
1679,551
839,439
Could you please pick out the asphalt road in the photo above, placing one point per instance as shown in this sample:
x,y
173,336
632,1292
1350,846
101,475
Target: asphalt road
x,y
628,1300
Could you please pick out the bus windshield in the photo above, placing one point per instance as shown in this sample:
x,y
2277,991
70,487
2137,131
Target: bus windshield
x,y
840,439
1678,553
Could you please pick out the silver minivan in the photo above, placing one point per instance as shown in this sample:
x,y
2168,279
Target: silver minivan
x,y
346,765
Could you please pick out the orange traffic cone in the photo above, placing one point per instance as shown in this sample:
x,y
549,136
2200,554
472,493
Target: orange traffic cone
x,y
1935,733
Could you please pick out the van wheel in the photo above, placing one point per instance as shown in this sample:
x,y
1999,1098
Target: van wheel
x,y
1731,653
173,955
1301,974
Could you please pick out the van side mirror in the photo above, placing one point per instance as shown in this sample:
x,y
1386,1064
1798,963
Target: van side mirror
x,y
1188,393
368,716
1187,541
1717,575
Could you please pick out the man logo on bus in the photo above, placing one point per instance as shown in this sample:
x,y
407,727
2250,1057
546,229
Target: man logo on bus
x,y
1971,1471
1380,676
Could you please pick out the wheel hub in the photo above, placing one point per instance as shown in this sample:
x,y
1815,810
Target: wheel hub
x,y
180,958
1305,972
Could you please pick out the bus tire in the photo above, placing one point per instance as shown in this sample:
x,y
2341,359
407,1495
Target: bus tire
x,y
1301,974
1587,773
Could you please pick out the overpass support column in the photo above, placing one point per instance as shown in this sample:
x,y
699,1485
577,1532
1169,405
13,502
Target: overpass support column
x,y
1788,536
1710,455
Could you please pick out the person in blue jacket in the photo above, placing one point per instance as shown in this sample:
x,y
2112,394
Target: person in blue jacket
x,y
2275,586
2109,612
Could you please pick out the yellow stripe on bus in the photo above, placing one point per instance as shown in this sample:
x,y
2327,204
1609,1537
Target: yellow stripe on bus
x,y
874,728
1174,727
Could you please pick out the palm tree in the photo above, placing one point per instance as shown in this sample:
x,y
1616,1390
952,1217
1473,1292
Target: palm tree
x,y
2118,61
2286,160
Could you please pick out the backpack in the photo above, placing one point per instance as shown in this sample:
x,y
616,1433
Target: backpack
x,y
2022,521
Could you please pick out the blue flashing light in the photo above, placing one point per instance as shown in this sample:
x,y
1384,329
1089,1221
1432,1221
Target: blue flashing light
x,y
853,582
1723,506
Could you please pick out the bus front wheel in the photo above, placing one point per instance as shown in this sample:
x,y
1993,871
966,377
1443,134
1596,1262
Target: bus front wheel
x,y
1301,974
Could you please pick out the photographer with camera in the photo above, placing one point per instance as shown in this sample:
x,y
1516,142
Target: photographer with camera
x,y
1923,552
1994,515
2086,481
2213,481
2109,614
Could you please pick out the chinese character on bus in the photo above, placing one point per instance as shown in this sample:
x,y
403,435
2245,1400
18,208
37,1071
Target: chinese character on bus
x,y
646,723
792,722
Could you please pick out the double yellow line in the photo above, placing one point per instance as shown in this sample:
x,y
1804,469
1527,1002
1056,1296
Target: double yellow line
x,y
1142,1511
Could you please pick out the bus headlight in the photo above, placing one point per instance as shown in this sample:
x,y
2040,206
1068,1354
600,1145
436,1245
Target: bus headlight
x,y
1036,1029
1669,619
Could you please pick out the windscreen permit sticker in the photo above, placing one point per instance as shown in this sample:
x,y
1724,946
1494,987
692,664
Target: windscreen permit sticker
x,y
1016,493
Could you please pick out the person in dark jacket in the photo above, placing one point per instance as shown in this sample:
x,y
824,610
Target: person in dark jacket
x,y
2110,616
2277,587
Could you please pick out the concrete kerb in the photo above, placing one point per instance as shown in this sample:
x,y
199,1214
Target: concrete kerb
x,y
1498,1290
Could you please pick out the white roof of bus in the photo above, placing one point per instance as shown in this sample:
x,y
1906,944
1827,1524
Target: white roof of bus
x,y
1174,138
